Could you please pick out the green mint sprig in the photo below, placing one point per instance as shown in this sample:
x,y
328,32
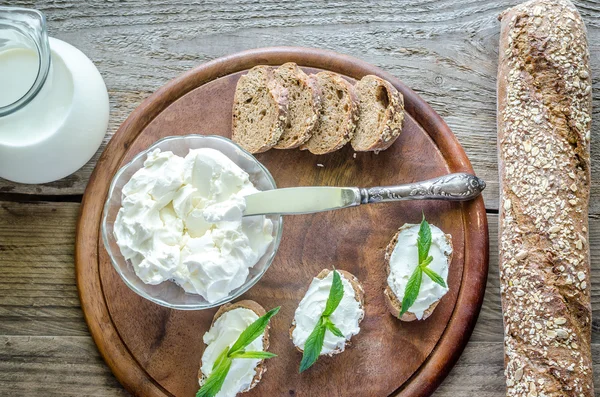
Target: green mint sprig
x,y
215,380
314,343
414,282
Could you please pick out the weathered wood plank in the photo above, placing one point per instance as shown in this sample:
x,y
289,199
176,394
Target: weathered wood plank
x,y
54,366
38,295
446,50
39,310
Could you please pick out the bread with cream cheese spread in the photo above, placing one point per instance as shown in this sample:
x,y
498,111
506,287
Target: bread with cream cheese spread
x,y
260,311
359,295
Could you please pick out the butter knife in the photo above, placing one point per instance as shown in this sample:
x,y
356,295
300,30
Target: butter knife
x,y
311,199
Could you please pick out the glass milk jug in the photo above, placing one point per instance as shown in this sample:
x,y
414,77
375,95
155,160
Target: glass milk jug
x,y
53,101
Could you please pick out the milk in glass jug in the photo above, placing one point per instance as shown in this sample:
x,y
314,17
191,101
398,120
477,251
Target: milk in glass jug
x,y
53,101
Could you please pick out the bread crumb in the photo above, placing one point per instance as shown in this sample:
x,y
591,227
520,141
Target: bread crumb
x,y
320,165
354,156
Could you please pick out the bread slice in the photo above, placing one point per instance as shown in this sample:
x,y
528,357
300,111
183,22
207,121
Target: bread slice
x,y
381,113
260,311
393,302
338,115
260,108
359,295
303,107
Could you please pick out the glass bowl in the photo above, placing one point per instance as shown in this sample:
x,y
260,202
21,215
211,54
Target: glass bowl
x,y
168,293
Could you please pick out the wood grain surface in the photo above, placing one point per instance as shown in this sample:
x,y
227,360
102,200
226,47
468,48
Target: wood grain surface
x,y
446,50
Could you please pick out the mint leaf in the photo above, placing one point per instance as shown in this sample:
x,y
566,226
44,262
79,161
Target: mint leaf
x,y
313,346
424,240
412,290
426,262
336,293
220,358
334,330
436,278
253,354
253,331
215,380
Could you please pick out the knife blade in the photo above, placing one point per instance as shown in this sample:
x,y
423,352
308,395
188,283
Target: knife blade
x,y
301,200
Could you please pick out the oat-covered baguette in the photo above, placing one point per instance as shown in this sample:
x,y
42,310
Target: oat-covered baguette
x,y
544,108
260,108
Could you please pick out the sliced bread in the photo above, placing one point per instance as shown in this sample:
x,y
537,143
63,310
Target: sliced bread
x,y
338,114
359,295
303,107
260,108
260,311
381,113
394,302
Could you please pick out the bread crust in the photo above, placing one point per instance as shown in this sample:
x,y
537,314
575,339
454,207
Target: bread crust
x,y
350,116
393,116
310,85
279,98
359,295
393,302
261,367
544,119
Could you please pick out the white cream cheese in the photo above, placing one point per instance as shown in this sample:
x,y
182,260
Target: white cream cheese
x,y
346,317
222,335
404,260
181,220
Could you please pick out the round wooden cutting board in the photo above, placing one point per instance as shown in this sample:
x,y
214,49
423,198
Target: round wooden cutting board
x,y
155,351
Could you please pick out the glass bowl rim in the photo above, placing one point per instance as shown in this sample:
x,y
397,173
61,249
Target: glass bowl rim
x,y
105,238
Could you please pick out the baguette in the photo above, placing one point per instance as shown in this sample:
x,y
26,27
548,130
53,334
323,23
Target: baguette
x,y
338,115
544,116
260,110
359,295
260,311
303,108
381,113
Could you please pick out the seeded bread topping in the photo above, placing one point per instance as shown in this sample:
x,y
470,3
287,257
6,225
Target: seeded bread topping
x,y
544,104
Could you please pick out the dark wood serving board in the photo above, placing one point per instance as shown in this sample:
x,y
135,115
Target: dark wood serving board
x,y
155,351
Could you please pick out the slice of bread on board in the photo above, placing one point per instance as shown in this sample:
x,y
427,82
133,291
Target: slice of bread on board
x,y
359,295
260,311
260,108
338,115
381,114
393,302
303,108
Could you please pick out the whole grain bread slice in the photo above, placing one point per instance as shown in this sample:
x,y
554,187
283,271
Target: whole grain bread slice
x,y
337,117
260,108
359,295
260,311
381,114
393,302
303,108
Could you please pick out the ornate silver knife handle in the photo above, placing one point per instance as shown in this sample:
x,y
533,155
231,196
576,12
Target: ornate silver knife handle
x,y
453,187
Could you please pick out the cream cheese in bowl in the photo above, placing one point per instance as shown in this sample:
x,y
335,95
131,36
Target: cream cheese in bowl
x,y
180,221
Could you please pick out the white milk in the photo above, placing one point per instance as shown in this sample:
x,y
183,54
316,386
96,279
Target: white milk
x,y
18,69
64,124
44,115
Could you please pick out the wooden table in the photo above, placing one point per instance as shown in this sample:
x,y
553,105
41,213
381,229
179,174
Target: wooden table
x,y
446,50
